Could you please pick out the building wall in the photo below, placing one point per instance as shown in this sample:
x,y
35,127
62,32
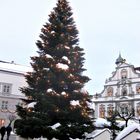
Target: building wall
x,y
17,80
11,81
120,90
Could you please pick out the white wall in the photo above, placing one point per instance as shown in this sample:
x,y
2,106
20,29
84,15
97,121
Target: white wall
x,y
17,81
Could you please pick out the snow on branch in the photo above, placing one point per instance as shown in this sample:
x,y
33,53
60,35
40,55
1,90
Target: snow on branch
x,y
55,126
67,47
49,56
47,69
66,59
62,66
49,90
91,105
75,103
63,93
31,105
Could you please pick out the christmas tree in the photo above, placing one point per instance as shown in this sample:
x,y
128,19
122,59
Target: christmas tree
x,y
56,104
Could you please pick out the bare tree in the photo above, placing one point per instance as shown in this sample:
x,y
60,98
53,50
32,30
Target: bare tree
x,y
126,116
11,117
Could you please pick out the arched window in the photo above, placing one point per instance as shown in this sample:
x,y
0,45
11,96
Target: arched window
x,y
102,111
109,91
123,73
124,91
109,110
138,88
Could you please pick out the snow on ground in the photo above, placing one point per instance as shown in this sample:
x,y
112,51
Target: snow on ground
x,y
100,122
122,123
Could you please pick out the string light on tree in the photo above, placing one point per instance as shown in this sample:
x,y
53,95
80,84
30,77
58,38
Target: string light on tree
x,y
56,81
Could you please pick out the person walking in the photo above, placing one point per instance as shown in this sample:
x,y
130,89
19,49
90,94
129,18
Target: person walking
x,y
2,132
8,130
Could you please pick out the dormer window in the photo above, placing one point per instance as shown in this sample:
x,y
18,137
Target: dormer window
x,y
123,73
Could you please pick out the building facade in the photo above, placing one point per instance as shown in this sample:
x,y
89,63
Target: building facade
x,y
121,91
11,80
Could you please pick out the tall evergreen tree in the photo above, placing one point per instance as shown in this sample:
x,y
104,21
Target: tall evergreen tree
x,y
61,108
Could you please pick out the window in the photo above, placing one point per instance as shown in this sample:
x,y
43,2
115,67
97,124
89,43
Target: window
x,y
138,88
102,111
110,110
124,109
109,91
138,110
123,73
2,122
4,105
6,88
124,91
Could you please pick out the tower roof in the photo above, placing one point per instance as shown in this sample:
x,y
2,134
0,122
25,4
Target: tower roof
x,y
119,60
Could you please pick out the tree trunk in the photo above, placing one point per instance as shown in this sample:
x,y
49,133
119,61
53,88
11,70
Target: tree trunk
x,y
126,123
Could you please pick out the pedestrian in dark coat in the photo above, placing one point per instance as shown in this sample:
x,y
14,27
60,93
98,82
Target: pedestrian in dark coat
x,y
8,129
2,132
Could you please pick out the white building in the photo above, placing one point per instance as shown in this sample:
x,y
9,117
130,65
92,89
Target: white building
x,y
11,80
121,91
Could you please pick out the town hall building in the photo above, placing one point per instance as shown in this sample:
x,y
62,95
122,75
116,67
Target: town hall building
x,y
121,91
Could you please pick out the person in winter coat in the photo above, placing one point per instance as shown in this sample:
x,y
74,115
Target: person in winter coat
x,y
8,130
2,132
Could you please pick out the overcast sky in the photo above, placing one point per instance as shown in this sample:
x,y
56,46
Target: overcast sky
x,y
106,27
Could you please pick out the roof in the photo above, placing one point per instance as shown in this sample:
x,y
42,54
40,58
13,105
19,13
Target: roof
x,y
119,60
128,130
96,133
12,67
